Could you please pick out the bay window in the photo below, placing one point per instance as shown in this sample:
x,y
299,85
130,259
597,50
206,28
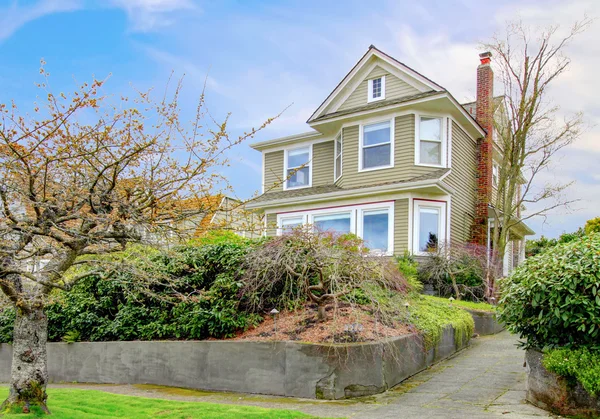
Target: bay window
x,y
298,167
372,222
430,147
376,146
429,226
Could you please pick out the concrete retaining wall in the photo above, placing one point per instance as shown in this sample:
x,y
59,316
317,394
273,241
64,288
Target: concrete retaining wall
x,y
276,368
552,392
486,323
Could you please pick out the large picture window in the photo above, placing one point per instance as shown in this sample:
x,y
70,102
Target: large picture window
x,y
333,223
429,226
297,167
376,146
430,141
372,222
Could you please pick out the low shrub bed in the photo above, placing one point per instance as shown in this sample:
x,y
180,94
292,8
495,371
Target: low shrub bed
x,y
581,365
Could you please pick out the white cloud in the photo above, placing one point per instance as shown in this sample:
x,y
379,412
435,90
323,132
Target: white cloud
x,y
148,15
12,18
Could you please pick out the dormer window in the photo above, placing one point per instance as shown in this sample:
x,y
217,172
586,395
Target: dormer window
x,y
298,167
376,89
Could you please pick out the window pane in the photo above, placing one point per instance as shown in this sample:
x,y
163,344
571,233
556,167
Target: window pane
x,y
336,223
297,157
376,156
376,88
338,145
376,133
300,178
430,129
429,229
430,152
338,166
288,224
375,230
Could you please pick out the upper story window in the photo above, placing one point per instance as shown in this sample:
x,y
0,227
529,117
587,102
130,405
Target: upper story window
x,y
298,167
376,88
430,141
495,174
376,146
338,157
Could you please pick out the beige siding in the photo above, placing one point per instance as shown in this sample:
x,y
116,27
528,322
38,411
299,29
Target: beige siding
x,y
400,226
463,179
271,224
394,89
322,170
273,171
404,157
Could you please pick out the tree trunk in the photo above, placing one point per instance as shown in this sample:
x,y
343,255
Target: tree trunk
x,y
321,314
29,373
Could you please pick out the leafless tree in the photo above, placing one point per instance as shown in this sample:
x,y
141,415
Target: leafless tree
x,y
317,266
528,125
83,176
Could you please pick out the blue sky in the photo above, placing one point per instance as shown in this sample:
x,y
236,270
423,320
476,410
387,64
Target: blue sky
x,y
263,56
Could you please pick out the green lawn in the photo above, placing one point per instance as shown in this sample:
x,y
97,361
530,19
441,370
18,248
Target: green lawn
x,y
92,404
466,304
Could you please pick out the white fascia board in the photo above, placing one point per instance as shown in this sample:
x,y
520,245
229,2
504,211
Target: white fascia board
x,y
284,140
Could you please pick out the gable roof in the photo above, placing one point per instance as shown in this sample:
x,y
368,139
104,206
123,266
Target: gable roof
x,y
408,74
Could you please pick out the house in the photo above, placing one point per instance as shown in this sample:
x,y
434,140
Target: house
x,y
393,157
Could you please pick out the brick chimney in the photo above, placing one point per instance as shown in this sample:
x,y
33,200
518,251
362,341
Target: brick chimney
x,y
485,117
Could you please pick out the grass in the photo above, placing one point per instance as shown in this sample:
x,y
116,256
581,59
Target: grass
x,y
466,304
92,404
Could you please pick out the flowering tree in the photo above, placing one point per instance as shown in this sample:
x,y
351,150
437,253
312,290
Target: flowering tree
x,y
81,177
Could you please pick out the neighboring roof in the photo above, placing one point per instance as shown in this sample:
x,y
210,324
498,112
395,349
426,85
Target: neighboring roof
x,y
435,175
376,105
471,106
370,52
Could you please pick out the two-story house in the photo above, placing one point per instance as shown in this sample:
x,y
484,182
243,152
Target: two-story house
x,y
392,157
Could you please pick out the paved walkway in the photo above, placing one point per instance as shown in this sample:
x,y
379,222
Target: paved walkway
x,y
484,381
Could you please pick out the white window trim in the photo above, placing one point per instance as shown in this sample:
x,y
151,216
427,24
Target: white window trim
x,y
336,175
370,97
356,219
495,167
390,212
309,165
421,203
444,141
360,144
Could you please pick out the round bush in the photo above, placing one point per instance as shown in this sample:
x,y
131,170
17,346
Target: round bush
x,y
553,299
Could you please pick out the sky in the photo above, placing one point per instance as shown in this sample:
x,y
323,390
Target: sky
x,y
258,58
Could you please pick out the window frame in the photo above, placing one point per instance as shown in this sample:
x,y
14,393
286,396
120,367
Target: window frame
x,y
337,154
356,218
443,141
495,174
361,146
361,225
370,97
442,206
286,168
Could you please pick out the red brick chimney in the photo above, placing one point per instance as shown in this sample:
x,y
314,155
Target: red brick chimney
x,y
485,118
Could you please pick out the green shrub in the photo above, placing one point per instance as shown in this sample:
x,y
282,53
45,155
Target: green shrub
x,y
592,226
553,299
581,365
125,308
409,268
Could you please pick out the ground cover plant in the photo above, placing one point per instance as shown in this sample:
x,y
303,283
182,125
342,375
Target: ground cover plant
x,y
91,404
